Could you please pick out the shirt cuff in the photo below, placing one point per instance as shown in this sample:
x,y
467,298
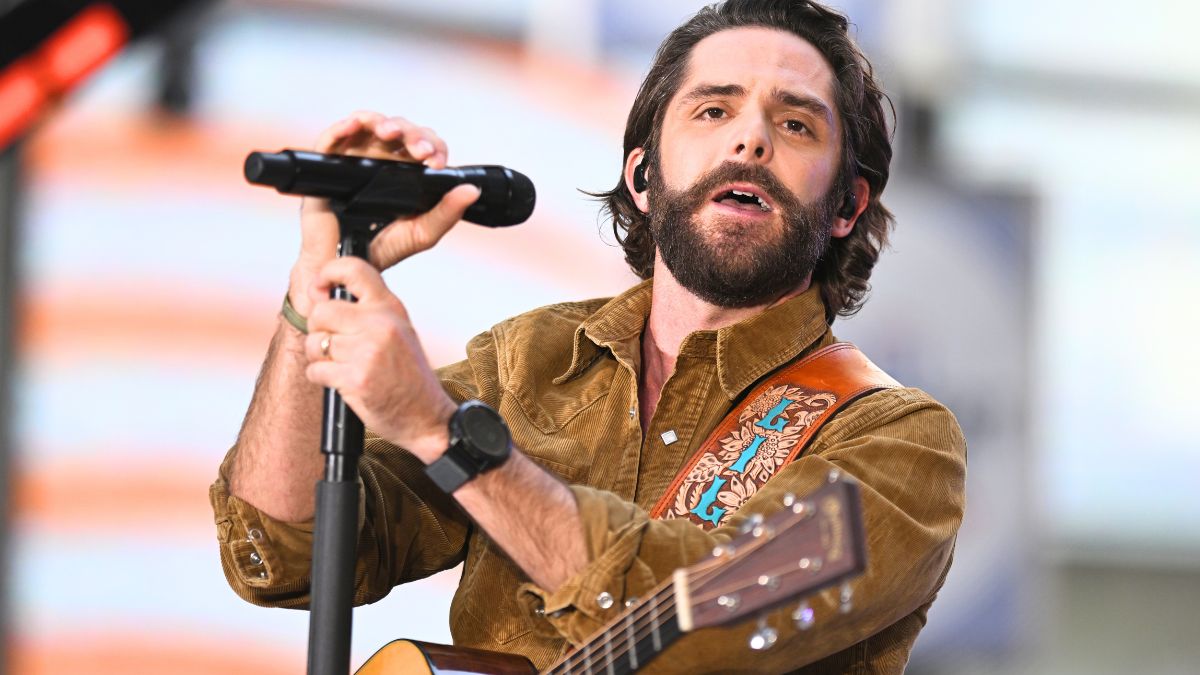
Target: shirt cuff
x,y
267,561
614,575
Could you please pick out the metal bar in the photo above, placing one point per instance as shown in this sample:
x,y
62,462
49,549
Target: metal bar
x,y
11,183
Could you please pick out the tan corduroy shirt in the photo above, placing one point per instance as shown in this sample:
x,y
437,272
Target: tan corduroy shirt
x,y
565,378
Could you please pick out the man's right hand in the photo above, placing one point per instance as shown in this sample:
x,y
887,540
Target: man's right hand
x,y
371,134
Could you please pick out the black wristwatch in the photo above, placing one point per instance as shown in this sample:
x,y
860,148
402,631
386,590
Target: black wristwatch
x,y
479,442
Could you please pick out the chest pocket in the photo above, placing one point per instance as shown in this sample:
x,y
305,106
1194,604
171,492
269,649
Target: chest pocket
x,y
546,407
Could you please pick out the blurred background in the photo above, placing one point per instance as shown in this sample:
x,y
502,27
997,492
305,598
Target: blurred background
x,y
1041,283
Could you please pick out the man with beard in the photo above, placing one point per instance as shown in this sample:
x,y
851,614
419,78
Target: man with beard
x,y
755,155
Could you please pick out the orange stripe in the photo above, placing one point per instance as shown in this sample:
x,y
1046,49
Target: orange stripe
x,y
103,652
108,492
152,149
81,322
74,325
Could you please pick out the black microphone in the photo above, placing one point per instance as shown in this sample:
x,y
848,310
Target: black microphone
x,y
388,189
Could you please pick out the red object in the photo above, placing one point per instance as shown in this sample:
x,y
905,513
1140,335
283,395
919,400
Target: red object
x,y
69,55
21,97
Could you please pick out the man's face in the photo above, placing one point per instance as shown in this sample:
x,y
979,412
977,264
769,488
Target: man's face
x,y
742,191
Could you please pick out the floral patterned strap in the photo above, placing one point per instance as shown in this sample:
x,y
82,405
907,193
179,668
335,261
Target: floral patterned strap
x,y
777,421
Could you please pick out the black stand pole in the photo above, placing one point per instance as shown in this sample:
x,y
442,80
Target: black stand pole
x,y
335,534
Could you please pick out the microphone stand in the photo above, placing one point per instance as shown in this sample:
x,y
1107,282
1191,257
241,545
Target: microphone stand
x,y
335,535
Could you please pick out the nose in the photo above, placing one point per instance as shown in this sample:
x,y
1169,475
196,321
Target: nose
x,y
752,141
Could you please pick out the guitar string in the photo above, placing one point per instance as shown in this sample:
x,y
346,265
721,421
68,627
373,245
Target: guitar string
x,y
645,615
642,629
644,609
589,653
590,649
658,608
641,610
777,572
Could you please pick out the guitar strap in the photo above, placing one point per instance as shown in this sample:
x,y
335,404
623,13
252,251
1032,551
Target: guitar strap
x,y
774,425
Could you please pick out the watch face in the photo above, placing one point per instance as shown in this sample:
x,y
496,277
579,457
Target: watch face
x,y
483,428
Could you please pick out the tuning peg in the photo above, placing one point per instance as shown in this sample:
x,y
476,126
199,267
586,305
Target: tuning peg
x,y
810,564
803,617
836,475
764,636
769,581
723,549
729,602
846,598
798,506
754,521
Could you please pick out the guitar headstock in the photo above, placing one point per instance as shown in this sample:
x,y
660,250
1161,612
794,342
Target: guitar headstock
x,y
812,543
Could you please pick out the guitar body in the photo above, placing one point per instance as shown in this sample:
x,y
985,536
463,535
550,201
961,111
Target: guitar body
x,y
400,657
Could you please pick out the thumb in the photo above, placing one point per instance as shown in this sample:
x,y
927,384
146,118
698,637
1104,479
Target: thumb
x,y
403,238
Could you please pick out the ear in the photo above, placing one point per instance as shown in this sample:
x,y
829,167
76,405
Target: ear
x,y
636,156
862,194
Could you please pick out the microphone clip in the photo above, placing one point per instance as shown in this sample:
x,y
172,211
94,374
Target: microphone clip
x,y
356,228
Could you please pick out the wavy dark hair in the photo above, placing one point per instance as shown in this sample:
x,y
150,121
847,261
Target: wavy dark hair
x,y
845,268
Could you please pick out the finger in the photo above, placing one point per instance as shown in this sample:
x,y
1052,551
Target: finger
x,y
403,238
357,275
318,346
343,132
395,129
359,140
421,143
335,316
440,155
327,373
334,133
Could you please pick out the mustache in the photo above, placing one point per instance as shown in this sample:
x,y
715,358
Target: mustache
x,y
731,172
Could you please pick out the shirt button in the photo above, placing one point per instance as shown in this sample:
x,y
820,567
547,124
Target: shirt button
x,y
632,412
540,611
254,535
605,600
255,558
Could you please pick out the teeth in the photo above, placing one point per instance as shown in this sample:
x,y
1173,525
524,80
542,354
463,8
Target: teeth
x,y
761,204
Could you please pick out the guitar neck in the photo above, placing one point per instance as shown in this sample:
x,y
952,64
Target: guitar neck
x,y
641,633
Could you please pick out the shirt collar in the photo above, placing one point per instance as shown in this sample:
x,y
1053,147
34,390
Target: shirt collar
x,y
754,347
744,351
617,325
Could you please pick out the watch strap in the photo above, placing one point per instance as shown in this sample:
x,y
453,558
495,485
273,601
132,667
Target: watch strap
x,y
449,474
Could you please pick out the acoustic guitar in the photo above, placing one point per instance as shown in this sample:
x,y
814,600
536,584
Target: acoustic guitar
x,y
813,543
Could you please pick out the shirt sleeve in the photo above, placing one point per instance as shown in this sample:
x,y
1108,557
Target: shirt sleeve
x,y
909,457
408,528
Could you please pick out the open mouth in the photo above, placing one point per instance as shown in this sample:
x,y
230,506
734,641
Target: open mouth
x,y
742,199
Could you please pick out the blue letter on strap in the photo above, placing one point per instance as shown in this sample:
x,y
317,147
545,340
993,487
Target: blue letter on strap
x,y
747,454
774,417
705,508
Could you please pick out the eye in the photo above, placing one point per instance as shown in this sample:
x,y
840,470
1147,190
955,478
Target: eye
x,y
796,126
713,113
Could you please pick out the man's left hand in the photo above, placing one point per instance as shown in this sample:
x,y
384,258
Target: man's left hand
x,y
369,352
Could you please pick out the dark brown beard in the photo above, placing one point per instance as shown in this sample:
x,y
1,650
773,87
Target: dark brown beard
x,y
740,269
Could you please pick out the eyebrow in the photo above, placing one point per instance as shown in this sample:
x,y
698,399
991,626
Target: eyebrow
x,y
787,98
809,103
